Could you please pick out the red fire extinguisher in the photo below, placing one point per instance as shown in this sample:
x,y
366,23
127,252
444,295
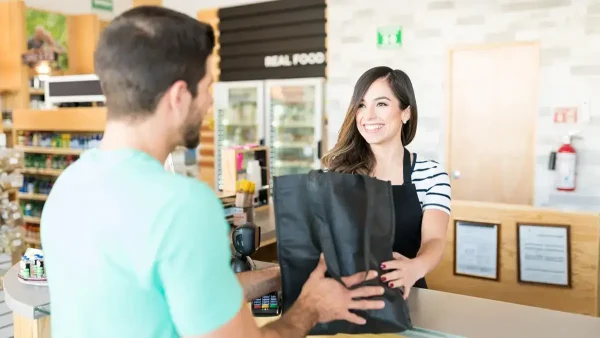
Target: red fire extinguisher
x,y
566,165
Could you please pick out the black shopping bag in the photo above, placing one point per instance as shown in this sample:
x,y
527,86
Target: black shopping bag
x,y
350,218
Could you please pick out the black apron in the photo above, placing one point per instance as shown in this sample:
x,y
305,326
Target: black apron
x,y
409,216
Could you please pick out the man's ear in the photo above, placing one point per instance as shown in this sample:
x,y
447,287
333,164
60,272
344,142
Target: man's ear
x,y
178,97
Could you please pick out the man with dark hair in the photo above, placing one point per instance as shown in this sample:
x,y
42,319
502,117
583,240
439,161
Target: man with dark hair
x,y
148,253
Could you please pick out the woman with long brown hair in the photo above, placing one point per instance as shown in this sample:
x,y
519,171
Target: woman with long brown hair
x,y
381,121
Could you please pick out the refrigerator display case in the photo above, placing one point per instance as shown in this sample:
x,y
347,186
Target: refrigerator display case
x,y
239,112
295,123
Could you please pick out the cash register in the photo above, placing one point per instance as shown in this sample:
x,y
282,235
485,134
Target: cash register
x,y
246,241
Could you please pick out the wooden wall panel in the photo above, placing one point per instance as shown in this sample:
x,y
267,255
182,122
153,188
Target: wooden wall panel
x,y
207,140
27,328
585,254
147,3
14,83
71,119
83,34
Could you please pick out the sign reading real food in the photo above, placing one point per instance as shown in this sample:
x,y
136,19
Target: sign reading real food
x,y
296,59
273,40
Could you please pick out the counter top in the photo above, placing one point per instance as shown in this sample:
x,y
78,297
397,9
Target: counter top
x,y
440,314
448,313
478,317
28,301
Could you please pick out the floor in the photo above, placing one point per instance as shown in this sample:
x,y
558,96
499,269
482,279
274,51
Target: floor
x,y
6,318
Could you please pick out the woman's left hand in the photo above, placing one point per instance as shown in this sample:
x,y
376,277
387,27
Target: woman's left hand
x,y
404,272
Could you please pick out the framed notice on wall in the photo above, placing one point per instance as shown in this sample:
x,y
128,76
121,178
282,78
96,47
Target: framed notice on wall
x,y
544,254
476,249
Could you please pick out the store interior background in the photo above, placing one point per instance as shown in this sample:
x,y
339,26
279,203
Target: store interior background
x,y
480,115
567,31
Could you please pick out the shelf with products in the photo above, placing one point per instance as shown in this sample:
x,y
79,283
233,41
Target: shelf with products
x,y
249,163
59,143
49,153
50,140
33,196
36,186
11,216
32,212
37,94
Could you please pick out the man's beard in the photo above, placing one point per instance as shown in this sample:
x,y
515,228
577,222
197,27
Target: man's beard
x,y
191,130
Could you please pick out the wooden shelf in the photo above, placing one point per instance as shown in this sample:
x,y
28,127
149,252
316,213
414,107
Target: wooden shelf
x,y
48,150
36,91
32,240
43,171
82,119
33,197
30,219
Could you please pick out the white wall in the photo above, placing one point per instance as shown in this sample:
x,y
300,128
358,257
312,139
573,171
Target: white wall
x,y
569,35
191,7
79,7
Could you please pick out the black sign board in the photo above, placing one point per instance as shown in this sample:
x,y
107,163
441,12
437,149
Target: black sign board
x,y
273,40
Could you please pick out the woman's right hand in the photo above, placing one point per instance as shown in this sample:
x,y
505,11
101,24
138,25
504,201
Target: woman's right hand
x,y
331,300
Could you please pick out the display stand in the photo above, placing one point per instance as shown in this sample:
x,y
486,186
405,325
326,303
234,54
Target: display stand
x,y
232,173
66,121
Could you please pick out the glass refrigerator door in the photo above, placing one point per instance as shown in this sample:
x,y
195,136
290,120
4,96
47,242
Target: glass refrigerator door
x,y
296,124
239,112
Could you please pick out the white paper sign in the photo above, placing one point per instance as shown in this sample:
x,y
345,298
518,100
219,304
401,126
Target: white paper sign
x,y
476,250
544,254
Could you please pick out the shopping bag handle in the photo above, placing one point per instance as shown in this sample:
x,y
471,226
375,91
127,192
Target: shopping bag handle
x,y
315,183
320,219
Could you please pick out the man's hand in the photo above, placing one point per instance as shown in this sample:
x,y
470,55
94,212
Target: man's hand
x,y
331,300
321,300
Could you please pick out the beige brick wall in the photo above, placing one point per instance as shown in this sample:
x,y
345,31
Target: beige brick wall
x,y
569,35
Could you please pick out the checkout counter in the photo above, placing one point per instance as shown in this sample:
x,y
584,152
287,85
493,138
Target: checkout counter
x,y
433,313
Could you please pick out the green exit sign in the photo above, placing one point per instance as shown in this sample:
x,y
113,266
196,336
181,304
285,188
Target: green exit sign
x,y
389,37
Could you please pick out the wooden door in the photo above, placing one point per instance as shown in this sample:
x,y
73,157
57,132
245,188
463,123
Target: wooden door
x,y
137,3
493,113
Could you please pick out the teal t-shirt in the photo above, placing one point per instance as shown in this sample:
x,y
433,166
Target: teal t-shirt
x,y
135,251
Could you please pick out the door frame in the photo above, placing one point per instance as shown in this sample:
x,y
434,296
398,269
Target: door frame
x,y
449,115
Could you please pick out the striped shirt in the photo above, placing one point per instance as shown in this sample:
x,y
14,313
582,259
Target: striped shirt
x,y
432,183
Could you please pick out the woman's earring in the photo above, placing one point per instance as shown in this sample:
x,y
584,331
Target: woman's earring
x,y
404,121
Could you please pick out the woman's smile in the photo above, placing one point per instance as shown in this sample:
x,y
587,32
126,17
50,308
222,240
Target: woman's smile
x,y
373,127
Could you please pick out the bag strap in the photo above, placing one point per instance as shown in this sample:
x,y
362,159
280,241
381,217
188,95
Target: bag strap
x,y
370,194
320,221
